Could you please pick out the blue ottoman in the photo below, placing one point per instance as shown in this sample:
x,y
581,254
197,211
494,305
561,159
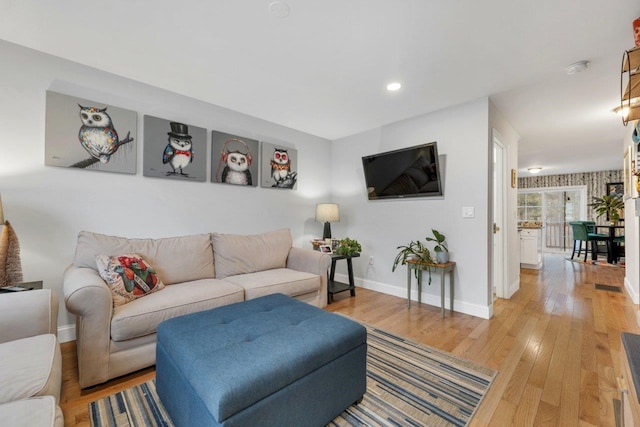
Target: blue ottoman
x,y
270,361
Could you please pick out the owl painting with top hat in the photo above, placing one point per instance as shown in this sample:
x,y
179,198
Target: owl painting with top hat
x,y
174,150
179,152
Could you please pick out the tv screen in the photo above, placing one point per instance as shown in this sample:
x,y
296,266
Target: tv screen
x,y
408,172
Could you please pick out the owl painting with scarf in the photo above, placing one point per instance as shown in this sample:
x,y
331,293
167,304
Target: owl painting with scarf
x,y
179,151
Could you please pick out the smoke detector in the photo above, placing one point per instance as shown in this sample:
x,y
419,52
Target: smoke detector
x,y
279,9
577,67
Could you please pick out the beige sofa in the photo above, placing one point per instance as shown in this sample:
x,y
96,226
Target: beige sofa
x,y
31,368
200,272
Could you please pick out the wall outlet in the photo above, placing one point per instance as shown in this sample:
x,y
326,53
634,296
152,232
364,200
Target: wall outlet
x,y
371,260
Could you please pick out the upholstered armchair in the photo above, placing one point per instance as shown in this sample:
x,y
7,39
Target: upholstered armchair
x,y
31,368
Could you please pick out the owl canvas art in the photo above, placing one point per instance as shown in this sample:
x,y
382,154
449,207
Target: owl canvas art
x,y
279,166
174,150
232,159
98,135
85,134
179,151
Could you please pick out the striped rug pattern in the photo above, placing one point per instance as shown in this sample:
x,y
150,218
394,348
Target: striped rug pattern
x,y
408,384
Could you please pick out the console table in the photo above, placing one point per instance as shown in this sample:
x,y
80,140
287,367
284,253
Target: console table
x,y
440,268
334,287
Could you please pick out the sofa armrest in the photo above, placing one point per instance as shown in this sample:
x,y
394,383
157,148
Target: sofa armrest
x,y
27,314
314,262
88,297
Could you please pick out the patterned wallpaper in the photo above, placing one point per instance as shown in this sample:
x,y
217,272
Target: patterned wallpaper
x,y
595,182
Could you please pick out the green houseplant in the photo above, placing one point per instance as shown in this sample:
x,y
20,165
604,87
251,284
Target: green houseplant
x,y
609,205
414,251
441,250
348,247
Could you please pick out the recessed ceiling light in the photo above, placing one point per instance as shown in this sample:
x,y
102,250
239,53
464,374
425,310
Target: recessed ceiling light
x,y
393,86
577,67
536,169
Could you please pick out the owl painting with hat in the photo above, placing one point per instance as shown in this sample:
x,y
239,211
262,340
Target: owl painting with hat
x,y
179,152
174,150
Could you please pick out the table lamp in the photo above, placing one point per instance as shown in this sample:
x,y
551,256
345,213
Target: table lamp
x,y
327,213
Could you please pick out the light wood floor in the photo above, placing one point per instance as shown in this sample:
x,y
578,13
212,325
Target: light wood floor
x,y
556,345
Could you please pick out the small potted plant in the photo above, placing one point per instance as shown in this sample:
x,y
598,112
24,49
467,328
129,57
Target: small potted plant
x,y
415,252
349,247
441,250
609,205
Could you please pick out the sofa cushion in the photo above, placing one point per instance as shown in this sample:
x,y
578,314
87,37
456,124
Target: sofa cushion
x,y
142,316
129,277
39,411
36,372
279,280
237,254
176,259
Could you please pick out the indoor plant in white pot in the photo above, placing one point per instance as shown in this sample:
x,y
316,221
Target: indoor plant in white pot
x,y
441,250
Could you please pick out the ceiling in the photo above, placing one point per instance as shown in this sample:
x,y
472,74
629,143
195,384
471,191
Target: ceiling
x,y
323,68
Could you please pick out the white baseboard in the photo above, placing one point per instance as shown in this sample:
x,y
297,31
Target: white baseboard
x,y
484,312
631,292
66,333
513,288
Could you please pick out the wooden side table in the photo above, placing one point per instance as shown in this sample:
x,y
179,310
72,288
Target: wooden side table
x,y
442,269
334,287
23,286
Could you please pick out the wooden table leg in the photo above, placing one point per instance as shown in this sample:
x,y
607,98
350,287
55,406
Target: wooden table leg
x,y
419,285
408,286
332,276
451,288
442,274
352,284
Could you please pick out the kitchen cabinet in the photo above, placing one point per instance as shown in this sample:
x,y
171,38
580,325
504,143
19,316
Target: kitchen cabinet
x,y
531,248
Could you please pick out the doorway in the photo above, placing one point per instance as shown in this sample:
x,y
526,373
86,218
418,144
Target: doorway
x,y
498,255
555,207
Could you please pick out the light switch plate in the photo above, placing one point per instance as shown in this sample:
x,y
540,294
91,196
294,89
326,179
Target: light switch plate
x,y
468,212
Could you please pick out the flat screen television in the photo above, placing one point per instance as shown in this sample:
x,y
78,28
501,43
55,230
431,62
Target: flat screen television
x,y
407,172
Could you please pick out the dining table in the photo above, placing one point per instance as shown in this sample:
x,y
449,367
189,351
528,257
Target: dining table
x,y
612,253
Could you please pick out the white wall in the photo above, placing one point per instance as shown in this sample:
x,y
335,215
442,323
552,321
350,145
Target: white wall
x,y
380,226
631,233
48,206
509,138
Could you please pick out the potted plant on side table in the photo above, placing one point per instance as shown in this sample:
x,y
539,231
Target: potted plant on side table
x,y
415,252
609,205
349,247
441,250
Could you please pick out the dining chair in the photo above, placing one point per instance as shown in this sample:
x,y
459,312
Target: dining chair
x,y
581,233
619,242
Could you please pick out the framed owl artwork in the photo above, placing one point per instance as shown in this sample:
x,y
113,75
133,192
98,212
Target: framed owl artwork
x,y
174,150
279,166
234,159
85,134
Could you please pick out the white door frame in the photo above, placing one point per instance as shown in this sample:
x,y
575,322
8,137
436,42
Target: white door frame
x,y
499,256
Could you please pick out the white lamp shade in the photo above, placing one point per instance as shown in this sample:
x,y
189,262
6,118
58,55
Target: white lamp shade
x,y
327,212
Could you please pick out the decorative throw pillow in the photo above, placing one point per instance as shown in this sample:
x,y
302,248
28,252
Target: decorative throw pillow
x,y
129,276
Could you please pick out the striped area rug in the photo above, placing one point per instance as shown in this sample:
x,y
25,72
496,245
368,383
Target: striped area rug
x,y
408,384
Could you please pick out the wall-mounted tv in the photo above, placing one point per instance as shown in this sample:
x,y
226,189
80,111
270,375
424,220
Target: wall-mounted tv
x,y
408,172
